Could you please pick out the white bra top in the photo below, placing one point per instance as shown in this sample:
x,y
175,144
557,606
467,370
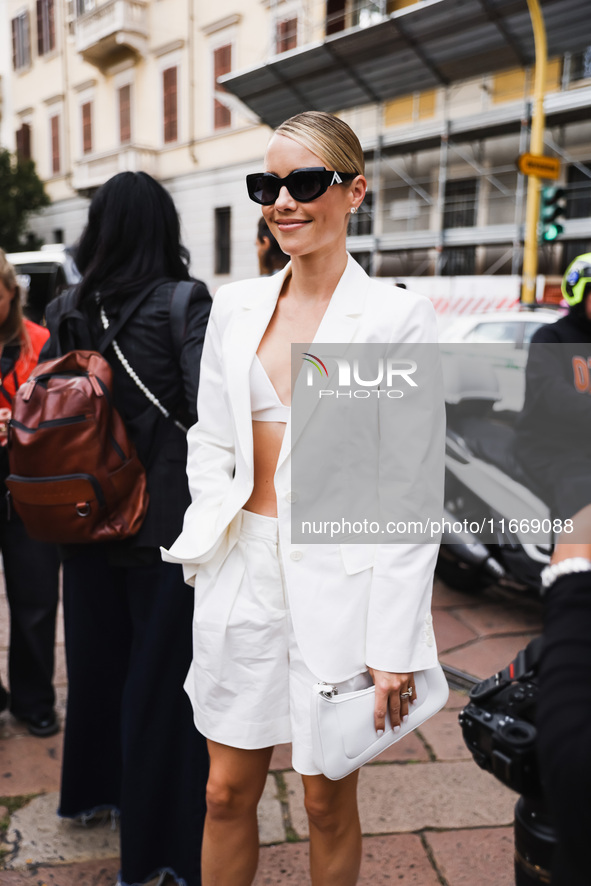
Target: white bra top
x,y
264,400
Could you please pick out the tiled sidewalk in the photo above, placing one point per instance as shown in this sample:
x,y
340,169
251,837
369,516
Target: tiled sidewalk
x,y
430,816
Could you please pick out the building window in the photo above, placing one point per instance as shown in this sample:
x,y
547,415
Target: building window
x,y
578,200
170,104
222,64
286,35
458,261
125,114
460,203
335,16
83,6
365,13
21,41
23,142
55,144
580,65
86,127
223,218
45,26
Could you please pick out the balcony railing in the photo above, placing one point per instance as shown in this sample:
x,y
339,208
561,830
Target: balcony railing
x,y
94,170
113,30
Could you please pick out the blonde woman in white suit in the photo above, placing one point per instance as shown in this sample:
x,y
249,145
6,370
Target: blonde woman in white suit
x,y
264,627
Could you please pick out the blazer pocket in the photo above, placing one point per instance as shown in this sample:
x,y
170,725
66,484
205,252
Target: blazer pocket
x,y
356,558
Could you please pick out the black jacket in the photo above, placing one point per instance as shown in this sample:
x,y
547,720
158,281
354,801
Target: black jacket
x,y
554,427
555,409
146,341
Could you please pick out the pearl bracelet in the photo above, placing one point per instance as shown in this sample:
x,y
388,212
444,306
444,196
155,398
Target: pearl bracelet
x,y
565,567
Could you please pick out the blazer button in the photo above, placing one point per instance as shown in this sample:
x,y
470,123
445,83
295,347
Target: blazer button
x,y
296,555
291,497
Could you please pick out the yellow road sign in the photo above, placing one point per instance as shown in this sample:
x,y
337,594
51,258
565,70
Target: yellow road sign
x,y
539,165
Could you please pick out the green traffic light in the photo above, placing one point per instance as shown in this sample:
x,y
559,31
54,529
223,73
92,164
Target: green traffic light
x,y
551,232
552,211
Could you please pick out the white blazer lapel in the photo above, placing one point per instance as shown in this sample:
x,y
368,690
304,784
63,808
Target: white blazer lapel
x,y
250,320
339,326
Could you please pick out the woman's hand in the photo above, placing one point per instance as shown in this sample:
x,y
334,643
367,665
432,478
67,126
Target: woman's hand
x,y
389,689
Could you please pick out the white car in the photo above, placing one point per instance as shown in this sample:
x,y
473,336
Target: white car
x,y
509,327
500,338
43,275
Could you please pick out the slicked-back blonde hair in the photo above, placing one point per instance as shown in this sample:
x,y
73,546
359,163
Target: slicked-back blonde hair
x,y
13,329
328,137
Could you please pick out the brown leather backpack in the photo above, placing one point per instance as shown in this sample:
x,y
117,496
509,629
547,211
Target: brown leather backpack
x,y
75,475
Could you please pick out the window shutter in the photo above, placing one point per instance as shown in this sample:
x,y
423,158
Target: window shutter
x,y
40,41
27,153
51,24
335,16
169,88
55,145
287,35
26,38
87,127
23,142
14,42
125,114
222,64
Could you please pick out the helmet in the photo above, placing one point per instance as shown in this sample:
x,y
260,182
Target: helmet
x,y
576,278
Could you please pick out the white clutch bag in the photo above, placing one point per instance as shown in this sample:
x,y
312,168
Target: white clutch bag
x,y
343,731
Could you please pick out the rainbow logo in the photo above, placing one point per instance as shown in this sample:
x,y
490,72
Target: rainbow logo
x,y
317,363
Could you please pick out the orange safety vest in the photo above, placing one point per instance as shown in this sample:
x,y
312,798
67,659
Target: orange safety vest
x,y
25,363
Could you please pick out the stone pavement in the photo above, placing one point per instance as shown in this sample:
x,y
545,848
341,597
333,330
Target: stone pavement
x,y
430,816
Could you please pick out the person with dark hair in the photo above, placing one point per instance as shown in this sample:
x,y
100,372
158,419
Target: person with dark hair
x,y
31,568
130,744
270,254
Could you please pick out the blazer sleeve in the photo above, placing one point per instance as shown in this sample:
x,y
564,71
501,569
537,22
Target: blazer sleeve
x,y
399,636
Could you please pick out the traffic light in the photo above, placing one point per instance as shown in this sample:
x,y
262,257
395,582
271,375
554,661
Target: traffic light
x,y
552,209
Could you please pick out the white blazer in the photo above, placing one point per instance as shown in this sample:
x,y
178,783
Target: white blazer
x,y
352,605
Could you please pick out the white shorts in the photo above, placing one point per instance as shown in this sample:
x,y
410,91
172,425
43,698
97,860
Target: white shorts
x,y
248,683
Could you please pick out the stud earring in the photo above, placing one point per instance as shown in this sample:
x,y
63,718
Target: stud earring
x,y
353,210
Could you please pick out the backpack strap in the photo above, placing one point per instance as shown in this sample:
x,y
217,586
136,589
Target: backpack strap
x,y
129,309
179,305
65,308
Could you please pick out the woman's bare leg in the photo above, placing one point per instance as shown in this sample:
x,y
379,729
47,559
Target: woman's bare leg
x,y
236,780
335,832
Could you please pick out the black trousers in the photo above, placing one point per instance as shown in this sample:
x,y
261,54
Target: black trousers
x,y
31,572
130,741
563,720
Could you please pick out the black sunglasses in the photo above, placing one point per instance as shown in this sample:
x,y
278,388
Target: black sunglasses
x,y
304,185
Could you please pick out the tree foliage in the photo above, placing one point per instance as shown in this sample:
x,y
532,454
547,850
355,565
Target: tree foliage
x,y
21,193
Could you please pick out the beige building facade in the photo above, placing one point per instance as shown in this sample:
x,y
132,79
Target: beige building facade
x,y
102,86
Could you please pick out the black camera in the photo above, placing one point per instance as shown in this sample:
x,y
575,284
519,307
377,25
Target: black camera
x,y
498,726
498,723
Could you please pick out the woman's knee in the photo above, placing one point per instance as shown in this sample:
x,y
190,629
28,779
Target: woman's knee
x,y
327,814
227,799
331,806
